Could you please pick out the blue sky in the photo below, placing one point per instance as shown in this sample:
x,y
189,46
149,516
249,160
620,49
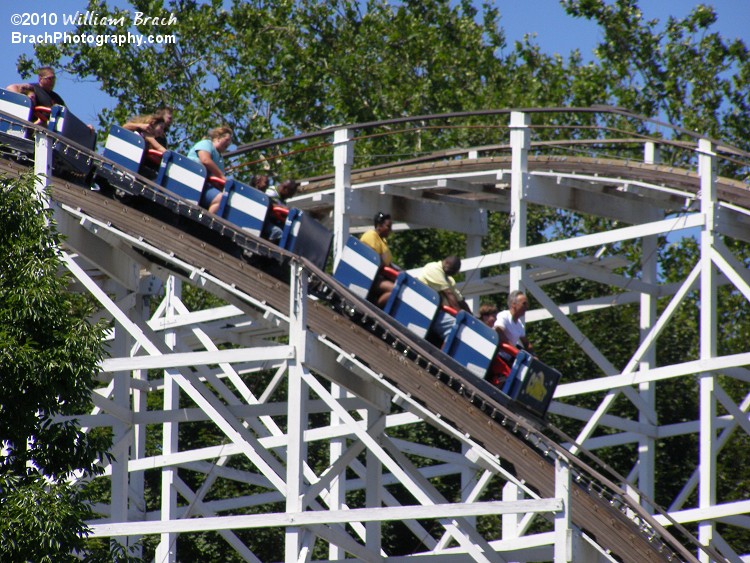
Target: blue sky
x,y
555,33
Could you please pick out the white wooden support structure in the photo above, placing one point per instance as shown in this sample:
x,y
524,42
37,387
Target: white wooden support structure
x,y
230,367
375,420
337,488
42,159
563,523
708,339
473,249
295,549
649,268
167,549
651,153
343,157
519,141
343,161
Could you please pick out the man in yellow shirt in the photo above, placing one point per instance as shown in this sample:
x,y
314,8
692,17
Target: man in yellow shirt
x,y
439,276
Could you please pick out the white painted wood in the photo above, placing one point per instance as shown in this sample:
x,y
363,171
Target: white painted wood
x,y
450,510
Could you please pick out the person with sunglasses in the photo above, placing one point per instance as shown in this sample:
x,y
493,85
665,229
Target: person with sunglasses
x,y
44,93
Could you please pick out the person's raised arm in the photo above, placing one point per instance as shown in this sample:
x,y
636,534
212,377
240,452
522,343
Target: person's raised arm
x,y
137,127
18,88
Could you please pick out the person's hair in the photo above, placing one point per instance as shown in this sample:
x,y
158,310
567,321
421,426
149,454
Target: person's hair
x,y
45,70
156,120
513,295
452,263
487,309
148,119
218,132
380,218
162,113
257,179
289,184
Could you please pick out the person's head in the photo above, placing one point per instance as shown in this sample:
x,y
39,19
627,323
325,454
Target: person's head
x,y
451,265
287,189
260,181
154,122
47,78
383,224
166,114
488,314
221,137
518,304
157,125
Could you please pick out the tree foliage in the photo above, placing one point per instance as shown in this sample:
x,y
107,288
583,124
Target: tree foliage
x,y
49,356
283,67
681,71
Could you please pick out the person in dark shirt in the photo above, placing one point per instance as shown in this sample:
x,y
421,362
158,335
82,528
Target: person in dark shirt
x,y
44,93
165,113
150,127
37,117
282,192
274,227
260,182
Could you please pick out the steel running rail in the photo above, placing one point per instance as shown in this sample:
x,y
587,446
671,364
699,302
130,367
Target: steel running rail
x,y
597,109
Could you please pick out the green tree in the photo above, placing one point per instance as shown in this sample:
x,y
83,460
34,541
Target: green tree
x,y
49,355
276,68
681,71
